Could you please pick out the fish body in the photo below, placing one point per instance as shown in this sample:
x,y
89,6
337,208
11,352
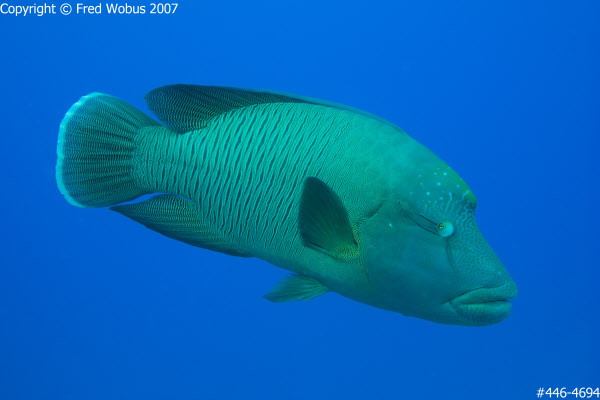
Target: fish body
x,y
346,201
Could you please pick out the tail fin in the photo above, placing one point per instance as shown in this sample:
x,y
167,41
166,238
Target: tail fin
x,y
95,151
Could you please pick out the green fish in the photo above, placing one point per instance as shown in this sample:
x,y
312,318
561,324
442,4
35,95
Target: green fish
x,y
345,200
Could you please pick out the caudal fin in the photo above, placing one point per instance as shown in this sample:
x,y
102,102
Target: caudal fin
x,y
95,151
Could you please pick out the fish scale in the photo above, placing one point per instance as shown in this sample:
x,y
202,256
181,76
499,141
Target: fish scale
x,y
247,223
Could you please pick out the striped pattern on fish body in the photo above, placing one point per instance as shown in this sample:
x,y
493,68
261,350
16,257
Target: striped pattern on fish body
x,y
245,172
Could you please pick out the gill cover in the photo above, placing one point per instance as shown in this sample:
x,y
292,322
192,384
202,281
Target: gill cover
x,y
407,263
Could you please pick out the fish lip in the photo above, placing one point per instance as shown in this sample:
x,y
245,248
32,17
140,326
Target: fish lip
x,y
485,306
503,292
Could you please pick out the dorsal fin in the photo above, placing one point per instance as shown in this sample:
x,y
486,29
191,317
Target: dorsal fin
x,y
189,107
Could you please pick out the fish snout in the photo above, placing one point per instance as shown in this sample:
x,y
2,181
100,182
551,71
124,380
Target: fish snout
x,y
485,306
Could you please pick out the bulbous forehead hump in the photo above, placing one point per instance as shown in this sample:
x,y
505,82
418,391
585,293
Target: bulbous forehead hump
x,y
440,185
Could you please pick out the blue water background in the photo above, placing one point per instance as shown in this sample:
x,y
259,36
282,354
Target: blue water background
x,y
94,306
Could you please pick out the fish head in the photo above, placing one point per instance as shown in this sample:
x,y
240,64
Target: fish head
x,y
425,256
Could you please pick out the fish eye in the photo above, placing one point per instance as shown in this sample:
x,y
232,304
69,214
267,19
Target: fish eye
x,y
445,229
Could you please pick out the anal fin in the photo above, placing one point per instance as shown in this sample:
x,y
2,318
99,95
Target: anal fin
x,y
296,288
176,218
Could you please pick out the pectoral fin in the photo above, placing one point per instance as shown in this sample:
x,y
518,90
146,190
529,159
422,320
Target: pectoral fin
x,y
296,288
323,221
177,219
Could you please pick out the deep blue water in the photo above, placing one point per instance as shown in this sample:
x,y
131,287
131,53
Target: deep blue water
x,y
94,306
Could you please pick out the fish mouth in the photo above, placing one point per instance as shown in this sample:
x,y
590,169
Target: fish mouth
x,y
485,306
